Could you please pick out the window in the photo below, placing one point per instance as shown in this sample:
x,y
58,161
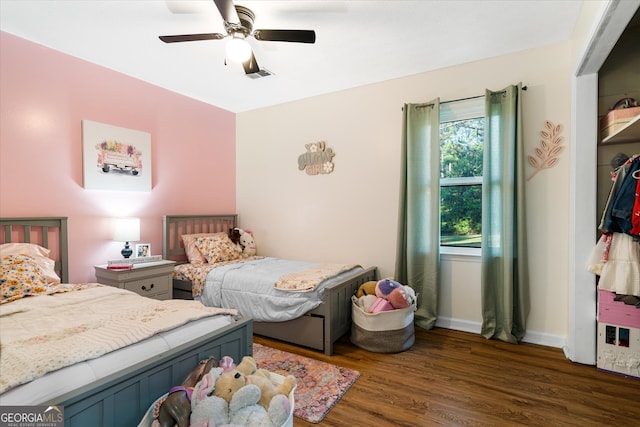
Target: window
x,y
461,148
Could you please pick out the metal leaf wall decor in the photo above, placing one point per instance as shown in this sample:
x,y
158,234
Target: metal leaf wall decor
x,y
548,153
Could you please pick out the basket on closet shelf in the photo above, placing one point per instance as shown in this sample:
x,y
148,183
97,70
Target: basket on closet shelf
x,y
621,113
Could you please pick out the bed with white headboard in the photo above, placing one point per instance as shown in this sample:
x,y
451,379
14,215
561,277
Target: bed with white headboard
x,y
117,388
317,328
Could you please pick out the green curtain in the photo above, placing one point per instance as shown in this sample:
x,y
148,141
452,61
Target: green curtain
x,y
418,250
505,283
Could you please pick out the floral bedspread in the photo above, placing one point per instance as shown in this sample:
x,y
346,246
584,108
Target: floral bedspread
x,y
39,334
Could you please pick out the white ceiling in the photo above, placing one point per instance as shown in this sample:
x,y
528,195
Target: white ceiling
x,y
357,42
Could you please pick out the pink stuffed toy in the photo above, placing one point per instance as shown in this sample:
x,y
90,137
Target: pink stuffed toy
x,y
393,292
380,305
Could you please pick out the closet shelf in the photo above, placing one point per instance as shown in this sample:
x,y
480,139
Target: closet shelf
x,y
629,133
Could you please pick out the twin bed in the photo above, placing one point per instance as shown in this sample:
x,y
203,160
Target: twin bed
x,y
116,388
314,319
116,384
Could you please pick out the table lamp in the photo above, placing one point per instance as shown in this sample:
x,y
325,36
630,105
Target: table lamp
x,y
126,230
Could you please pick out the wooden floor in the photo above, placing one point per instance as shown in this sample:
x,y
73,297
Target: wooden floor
x,y
451,378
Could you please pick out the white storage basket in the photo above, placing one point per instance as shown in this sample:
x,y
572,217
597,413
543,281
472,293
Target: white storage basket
x,y
385,332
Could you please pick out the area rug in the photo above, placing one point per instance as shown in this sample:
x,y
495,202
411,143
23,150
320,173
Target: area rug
x,y
320,385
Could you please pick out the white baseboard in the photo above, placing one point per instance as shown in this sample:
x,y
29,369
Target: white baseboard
x,y
531,337
458,325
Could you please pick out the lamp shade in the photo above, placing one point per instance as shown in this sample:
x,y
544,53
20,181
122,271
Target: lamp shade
x,y
126,229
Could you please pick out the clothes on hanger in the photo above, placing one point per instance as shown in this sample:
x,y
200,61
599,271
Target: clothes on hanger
x,y
616,257
620,273
622,210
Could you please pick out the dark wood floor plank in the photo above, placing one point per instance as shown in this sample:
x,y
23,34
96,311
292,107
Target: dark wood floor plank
x,y
453,378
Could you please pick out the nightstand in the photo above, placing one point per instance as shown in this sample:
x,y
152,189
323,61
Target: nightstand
x,y
149,279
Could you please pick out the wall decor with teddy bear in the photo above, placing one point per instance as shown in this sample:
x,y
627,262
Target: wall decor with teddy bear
x,y
382,316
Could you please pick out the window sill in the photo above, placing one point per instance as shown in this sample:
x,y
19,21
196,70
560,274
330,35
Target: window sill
x,y
462,254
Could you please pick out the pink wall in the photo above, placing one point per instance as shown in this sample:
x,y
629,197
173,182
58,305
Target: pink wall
x,y
44,96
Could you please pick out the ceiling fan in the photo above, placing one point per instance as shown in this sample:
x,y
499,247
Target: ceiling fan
x,y
238,23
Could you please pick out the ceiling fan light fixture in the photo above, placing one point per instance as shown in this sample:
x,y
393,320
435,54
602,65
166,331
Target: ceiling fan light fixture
x,y
238,49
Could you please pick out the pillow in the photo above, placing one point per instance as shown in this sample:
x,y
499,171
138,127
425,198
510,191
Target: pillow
x,y
39,254
193,253
30,249
20,276
218,248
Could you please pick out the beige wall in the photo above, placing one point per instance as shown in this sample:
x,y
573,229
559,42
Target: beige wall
x,y
350,215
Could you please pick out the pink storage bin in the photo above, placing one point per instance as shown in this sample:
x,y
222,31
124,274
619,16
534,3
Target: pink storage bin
x,y
616,312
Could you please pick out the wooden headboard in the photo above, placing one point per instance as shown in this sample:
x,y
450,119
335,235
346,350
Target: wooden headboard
x,y
50,233
174,226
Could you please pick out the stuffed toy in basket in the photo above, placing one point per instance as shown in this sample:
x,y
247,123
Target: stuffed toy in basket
x,y
382,316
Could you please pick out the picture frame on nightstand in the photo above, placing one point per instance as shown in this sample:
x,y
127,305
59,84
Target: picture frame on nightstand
x,y
143,249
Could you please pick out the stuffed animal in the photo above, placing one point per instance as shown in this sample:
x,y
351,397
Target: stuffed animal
x,y
247,373
366,302
384,295
176,408
247,243
207,409
379,305
244,239
245,410
234,235
367,288
399,296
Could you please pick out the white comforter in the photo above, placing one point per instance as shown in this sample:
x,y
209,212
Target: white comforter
x,y
40,334
249,287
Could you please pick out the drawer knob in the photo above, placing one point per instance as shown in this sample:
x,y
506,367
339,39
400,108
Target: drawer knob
x,y
144,288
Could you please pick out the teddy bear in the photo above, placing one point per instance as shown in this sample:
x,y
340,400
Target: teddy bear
x,y
242,409
244,239
246,372
245,410
207,409
247,243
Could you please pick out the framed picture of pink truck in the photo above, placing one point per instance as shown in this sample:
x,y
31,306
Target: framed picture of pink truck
x,y
115,158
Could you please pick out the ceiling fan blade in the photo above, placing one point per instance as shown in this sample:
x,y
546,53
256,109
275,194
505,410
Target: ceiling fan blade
x,y
297,36
251,66
227,11
191,37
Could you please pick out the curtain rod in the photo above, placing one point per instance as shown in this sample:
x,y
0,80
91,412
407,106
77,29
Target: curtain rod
x,y
461,99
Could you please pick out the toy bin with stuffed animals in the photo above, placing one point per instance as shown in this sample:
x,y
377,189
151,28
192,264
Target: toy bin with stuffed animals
x,y
382,316
148,420
383,332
